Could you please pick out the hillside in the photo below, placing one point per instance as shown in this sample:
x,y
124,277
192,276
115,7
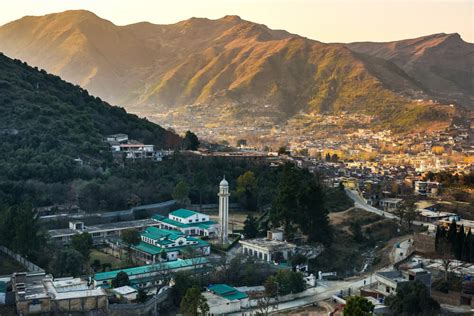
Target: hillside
x,y
227,66
45,123
443,63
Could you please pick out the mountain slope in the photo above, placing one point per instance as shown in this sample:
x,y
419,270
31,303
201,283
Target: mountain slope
x,y
228,66
45,123
443,63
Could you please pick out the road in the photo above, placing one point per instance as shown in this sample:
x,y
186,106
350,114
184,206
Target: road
x,y
325,290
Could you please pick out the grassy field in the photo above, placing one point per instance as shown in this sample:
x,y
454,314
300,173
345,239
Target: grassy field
x,y
8,266
236,219
106,258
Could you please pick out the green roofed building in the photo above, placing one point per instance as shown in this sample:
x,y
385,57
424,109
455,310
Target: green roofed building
x,y
224,299
188,222
166,245
151,274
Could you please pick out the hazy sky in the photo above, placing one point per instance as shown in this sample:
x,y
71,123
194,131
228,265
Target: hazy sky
x,y
324,20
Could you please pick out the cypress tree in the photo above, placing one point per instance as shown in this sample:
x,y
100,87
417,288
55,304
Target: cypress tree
x,y
459,244
468,247
452,233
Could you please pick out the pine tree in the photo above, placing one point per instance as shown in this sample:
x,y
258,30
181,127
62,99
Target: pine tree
x,y
452,233
459,244
468,247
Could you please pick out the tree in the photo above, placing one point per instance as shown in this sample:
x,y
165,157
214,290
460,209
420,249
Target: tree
x,y
82,243
141,296
250,226
194,303
181,193
358,306
190,141
131,236
247,190
282,150
241,142
68,262
446,251
182,282
269,300
412,298
121,279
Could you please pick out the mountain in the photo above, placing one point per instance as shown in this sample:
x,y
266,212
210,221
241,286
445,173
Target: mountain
x,y
442,63
46,123
227,66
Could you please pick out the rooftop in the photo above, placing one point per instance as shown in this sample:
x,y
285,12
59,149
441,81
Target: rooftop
x,y
228,292
162,266
183,213
273,245
171,222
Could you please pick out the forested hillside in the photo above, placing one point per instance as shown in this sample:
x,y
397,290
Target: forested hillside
x,y
46,123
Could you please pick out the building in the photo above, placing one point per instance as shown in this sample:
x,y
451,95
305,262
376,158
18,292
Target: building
x,y
38,293
99,233
188,222
468,224
428,188
126,292
390,204
224,211
135,150
117,139
428,216
152,274
224,299
157,243
270,249
387,282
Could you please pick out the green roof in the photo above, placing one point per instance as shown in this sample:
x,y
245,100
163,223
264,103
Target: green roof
x,y
157,233
171,222
154,250
183,213
169,265
3,287
227,292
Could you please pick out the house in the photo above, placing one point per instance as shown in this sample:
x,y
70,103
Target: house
x,y
135,150
428,188
188,222
387,282
390,204
428,216
270,249
117,138
38,293
468,224
224,299
152,274
99,233
161,244
126,292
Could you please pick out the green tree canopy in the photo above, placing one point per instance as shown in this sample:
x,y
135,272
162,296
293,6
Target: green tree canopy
x,y
82,243
358,306
250,226
412,298
247,190
194,303
181,193
131,236
121,279
190,141
68,262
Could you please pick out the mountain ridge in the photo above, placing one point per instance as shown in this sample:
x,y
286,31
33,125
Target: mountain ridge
x,y
229,64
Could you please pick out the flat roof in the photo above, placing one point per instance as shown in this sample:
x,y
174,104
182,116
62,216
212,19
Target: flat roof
x,y
183,213
269,244
104,227
228,292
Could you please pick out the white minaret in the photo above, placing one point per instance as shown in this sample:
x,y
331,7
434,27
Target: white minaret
x,y
224,211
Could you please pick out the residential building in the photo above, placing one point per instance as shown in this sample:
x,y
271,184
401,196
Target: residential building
x,y
135,150
161,244
390,204
117,138
99,233
428,188
224,299
270,249
188,222
428,216
387,282
38,293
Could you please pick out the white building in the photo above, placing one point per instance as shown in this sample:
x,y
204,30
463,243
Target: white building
x,y
188,222
135,151
390,204
269,249
224,299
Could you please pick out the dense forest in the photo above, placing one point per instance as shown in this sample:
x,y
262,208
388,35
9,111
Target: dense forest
x,y
46,123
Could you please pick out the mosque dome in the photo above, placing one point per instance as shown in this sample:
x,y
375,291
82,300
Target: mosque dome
x,y
224,183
